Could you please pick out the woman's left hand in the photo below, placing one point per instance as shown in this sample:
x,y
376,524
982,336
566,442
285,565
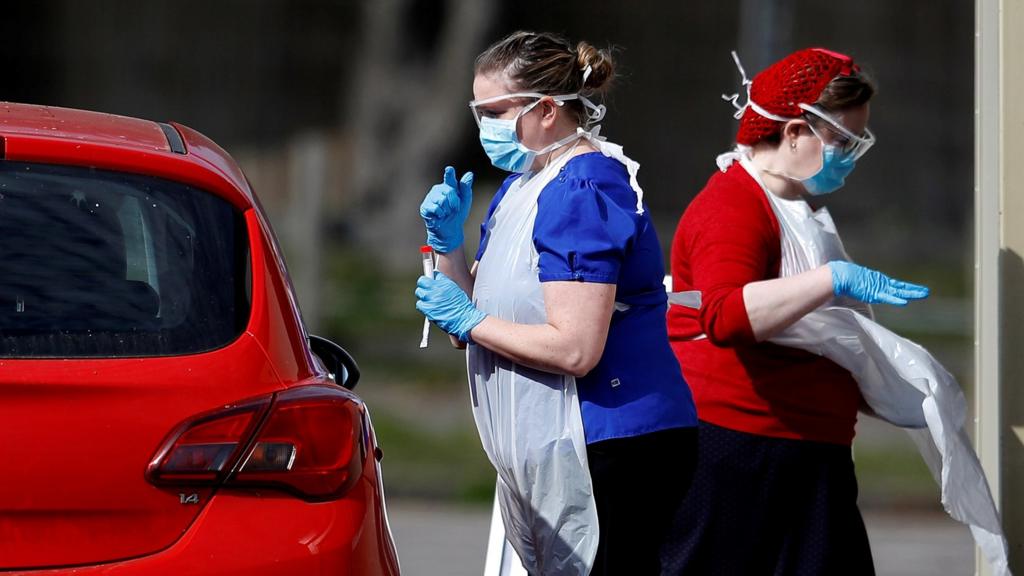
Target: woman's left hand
x,y
871,286
445,304
444,210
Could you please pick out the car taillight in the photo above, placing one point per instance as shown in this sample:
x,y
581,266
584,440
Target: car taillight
x,y
307,440
204,449
312,444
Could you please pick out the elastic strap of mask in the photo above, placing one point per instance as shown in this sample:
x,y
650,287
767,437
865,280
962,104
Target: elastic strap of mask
x,y
745,85
725,159
608,149
578,134
526,109
615,151
594,112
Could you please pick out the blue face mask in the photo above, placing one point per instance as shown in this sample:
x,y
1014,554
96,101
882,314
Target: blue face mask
x,y
835,167
502,145
501,142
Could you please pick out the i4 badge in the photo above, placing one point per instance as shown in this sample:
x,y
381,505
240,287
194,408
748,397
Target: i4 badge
x,y
188,498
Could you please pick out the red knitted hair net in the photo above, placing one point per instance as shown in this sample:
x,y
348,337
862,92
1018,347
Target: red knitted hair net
x,y
796,79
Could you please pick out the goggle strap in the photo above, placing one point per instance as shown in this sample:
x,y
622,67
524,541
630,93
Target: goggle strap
x,y
832,122
595,112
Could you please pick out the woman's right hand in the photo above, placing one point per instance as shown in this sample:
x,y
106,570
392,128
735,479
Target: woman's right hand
x,y
444,210
871,286
445,304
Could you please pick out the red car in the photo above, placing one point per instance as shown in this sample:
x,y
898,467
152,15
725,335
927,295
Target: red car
x,y
162,408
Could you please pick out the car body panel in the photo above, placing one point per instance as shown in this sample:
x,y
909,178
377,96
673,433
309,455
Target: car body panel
x,y
94,139
287,536
65,502
80,432
79,125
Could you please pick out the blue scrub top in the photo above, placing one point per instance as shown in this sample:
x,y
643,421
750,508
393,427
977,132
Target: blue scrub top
x,y
587,230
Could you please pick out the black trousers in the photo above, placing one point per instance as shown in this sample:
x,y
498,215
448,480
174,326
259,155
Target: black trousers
x,y
762,506
639,482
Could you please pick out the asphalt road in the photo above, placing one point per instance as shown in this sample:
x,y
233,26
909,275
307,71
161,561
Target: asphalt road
x,y
450,541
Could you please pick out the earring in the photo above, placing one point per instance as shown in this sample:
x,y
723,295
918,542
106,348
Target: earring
x,y
792,145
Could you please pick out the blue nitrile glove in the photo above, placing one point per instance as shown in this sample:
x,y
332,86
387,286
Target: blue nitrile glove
x,y
873,287
445,304
445,209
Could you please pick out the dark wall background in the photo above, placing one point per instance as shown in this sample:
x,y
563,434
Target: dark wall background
x,y
258,71
344,113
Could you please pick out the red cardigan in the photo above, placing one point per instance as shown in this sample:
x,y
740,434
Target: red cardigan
x,y
729,237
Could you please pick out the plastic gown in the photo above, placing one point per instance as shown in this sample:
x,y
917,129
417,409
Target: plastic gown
x,y
529,420
900,381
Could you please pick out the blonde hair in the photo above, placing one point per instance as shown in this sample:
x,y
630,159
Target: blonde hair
x,y
547,63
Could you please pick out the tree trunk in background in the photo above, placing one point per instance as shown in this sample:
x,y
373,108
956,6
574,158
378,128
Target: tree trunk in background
x,y
406,116
303,221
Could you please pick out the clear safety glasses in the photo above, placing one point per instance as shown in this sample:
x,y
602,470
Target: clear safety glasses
x,y
849,144
495,106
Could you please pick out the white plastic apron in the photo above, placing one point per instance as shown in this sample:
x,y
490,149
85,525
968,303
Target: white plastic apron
x,y
901,382
529,421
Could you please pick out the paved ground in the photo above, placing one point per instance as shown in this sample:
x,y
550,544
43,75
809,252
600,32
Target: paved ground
x,y
447,541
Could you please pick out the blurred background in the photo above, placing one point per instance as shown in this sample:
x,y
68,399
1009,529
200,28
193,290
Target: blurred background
x,y
344,113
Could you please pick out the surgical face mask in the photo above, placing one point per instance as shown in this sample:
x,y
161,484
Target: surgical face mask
x,y
500,140
835,167
501,143
839,155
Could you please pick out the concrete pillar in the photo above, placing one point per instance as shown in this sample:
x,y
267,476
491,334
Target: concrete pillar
x,y
999,275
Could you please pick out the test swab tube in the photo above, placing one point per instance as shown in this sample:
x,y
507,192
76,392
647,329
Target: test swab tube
x,y
428,270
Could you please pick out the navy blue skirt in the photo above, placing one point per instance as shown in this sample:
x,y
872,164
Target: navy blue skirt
x,y
762,506
639,482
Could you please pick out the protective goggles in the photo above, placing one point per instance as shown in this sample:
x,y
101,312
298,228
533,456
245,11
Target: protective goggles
x,y
840,136
594,112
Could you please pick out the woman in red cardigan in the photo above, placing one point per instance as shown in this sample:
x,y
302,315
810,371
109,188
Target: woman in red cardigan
x,y
775,491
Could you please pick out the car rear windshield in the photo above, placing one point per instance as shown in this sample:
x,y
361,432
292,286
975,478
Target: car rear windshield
x,y
105,264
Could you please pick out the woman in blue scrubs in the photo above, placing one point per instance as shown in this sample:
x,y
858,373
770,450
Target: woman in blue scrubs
x,y
578,398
